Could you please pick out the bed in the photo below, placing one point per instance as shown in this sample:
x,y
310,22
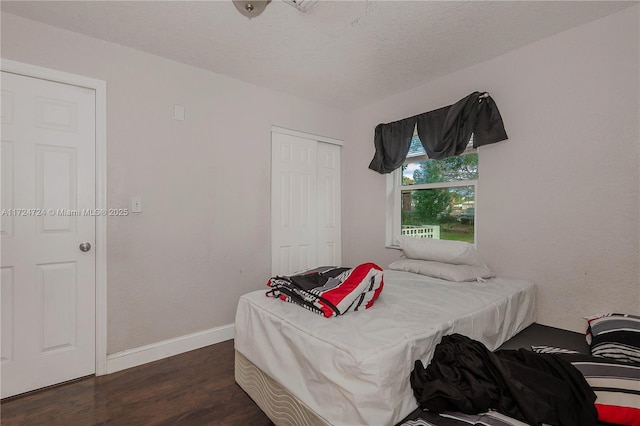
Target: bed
x,y
304,369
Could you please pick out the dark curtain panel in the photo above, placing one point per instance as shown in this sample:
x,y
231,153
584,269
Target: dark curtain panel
x,y
392,142
437,142
489,128
444,132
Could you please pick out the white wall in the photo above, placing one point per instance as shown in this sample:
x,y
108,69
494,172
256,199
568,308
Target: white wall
x,y
203,238
558,203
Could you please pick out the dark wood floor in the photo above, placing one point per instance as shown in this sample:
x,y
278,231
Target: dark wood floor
x,y
194,388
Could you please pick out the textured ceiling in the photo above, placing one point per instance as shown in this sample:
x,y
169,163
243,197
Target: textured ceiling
x,y
344,54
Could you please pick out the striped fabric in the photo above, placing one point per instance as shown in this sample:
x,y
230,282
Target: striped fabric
x,y
427,418
330,291
615,336
552,350
616,385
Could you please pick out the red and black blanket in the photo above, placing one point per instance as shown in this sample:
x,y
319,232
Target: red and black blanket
x,y
329,290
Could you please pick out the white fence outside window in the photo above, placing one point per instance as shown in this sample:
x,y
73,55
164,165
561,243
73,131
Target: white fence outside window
x,y
424,231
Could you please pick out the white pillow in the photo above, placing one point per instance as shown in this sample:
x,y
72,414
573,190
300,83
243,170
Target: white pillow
x,y
456,252
445,271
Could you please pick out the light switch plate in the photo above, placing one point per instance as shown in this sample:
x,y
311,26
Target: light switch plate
x,y
178,112
136,204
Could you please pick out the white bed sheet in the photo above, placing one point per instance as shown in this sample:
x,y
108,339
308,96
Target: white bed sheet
x,y
354,369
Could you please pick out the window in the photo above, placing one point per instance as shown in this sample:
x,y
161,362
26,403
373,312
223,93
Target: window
x,y
433,198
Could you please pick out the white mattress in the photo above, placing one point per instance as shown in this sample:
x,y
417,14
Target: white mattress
x,y
354,369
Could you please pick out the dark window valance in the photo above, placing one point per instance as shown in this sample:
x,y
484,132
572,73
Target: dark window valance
x,y
444,132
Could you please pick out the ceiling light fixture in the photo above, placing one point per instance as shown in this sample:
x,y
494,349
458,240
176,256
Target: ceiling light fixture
x,y
251,8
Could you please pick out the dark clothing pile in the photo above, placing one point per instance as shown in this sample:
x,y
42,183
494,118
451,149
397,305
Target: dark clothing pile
x,y
534,388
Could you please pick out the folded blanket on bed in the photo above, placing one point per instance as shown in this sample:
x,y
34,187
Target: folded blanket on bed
x,y
330,290
535,388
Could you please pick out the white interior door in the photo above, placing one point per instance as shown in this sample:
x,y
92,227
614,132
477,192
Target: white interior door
x,y
48,210
305,204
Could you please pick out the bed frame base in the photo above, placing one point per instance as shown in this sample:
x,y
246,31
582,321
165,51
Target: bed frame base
x,y
283,408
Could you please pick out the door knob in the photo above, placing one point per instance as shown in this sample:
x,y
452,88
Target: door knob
x,y
85,246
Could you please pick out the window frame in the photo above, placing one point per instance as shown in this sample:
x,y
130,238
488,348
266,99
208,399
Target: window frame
x,y
394,197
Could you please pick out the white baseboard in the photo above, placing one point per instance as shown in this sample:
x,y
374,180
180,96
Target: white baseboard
x,y
155,351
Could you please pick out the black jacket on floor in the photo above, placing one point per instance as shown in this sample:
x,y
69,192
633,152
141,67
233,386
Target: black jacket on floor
x,y
535,388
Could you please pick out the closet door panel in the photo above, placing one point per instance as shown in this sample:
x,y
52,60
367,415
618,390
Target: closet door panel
x,y
293,204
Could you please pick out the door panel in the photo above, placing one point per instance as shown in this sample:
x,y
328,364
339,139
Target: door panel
x,y
293,203
56,177
6,282
329,211
48,284
58,287
6,198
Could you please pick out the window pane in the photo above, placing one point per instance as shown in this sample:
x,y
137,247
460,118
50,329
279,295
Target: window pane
x,y
443,213
416,147
451,169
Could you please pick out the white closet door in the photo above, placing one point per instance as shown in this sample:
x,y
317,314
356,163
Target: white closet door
x,y
329,202
293,204
305,204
